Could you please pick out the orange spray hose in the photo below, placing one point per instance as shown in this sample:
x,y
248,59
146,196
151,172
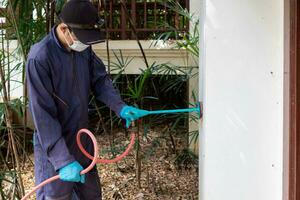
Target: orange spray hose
x,y
94,158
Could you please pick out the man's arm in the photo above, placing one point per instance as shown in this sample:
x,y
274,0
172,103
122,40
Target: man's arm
x,y
44,113
102,85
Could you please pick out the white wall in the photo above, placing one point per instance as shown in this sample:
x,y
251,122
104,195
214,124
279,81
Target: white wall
x,y
241,140
162,53
16,86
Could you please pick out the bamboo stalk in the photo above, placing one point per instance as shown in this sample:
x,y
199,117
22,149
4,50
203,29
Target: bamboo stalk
x,y
123,4
7,152
111,138
19,38
138,157
24,117
8,117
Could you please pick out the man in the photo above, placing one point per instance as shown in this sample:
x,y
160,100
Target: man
x,y
61,71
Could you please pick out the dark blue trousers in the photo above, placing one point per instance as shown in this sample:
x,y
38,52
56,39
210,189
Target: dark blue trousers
x,y
60,190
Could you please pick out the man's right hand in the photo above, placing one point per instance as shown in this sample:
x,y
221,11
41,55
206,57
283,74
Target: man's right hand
x,y
130,113
71,173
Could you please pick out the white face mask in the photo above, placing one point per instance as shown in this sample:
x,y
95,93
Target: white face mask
x,y
77,45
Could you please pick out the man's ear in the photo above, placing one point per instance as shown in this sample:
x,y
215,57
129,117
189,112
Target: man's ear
x,y
63,27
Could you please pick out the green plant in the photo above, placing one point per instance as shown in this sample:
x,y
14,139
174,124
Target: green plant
x,y
26,21
135,93
188,40
7,106
11,190
186,159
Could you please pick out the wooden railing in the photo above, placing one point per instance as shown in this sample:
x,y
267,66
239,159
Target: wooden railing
x,y
149,16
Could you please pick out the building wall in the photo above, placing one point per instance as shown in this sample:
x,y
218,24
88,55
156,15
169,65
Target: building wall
x,y
242,135
193,86
130,49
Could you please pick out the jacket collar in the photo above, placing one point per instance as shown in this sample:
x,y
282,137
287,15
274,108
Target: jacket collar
x,y
53,35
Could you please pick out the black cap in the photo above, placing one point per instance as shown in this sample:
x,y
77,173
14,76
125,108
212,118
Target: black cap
x,y
82,18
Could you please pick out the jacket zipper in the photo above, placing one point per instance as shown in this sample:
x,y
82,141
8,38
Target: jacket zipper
x,y
60,99
78,92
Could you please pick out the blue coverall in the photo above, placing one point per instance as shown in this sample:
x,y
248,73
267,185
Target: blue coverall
x,y
59,83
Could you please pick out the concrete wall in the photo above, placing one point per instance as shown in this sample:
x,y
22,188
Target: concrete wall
x,y
130,49
242,138
193,83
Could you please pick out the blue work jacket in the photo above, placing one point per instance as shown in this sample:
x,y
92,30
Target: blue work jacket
x,y
59,83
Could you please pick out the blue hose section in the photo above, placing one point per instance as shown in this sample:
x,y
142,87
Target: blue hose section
x,y
174,111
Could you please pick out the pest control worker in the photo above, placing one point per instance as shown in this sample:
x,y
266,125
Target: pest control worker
x,y
62,70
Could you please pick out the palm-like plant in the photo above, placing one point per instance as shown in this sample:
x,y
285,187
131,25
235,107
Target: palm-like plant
x,y
7,106
188,40
26,22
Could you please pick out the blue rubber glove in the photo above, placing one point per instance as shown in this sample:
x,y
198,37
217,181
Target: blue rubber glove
x,y
71,172
130,113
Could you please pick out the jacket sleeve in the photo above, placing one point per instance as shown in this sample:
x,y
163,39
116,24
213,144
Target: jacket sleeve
x,y
44,114
102,85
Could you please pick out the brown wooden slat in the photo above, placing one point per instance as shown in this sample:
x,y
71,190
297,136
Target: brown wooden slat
x,y
110,14
123,24
155,14
133,15
291,172
165,12
148,16
176,19
145,14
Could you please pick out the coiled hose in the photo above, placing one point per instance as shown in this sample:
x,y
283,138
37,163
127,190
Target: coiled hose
x,y
94,158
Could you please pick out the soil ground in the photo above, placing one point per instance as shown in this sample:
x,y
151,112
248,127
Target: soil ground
x,y
160,178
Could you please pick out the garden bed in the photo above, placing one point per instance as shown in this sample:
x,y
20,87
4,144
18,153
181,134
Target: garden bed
x,y
160,179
